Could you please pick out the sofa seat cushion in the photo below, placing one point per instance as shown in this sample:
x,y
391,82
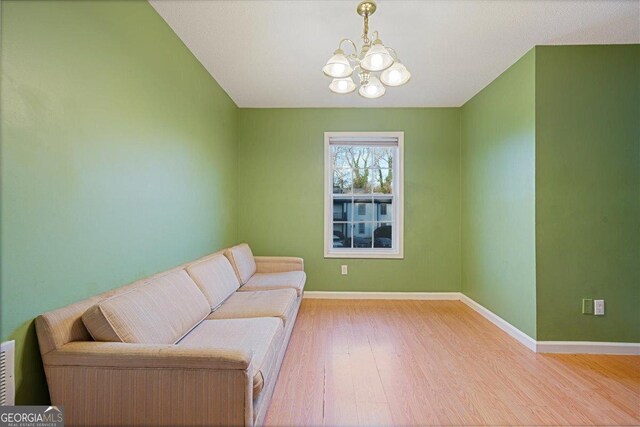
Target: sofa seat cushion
x,y
215,277
269,281
160,311
279,303
241,258
262,336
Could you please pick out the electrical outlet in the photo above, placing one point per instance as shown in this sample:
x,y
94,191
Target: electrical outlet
x,y
598,307
344,270
587,306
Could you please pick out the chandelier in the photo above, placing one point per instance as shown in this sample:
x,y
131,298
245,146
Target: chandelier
x,y
377,65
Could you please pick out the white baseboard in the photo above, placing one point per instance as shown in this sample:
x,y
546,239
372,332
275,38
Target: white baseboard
x,y
435,296
588,347
568,347
516,333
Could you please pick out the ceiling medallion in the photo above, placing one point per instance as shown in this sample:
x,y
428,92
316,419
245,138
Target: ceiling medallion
x,y
377,65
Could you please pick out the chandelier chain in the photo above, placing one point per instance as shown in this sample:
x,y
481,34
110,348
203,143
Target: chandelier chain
x,y
365,34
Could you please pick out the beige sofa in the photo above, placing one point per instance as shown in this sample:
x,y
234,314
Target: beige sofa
x,y
201,344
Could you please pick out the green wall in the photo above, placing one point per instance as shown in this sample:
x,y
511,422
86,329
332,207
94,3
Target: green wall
x,y
118,159
498,196
588,191
281,194
550,165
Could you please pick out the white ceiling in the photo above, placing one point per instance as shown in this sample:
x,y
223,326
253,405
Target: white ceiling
x,y
269,53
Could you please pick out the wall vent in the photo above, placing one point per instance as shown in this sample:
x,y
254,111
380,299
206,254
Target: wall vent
x,y
7,383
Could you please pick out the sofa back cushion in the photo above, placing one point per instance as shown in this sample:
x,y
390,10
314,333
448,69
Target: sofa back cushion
x,y
61,326
162,311
215,277
242,260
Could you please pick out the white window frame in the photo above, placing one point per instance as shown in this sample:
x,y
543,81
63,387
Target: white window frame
x,y
397,249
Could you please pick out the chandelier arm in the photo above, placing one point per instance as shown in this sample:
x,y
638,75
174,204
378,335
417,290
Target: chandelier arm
x,y
394,54
355,48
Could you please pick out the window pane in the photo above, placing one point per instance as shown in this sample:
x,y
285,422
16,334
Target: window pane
x,y
353,156
342,180
382,237
340,156
362,234
342,209
382,181
383,209
361,157
342,235
363,210
383,157
362,181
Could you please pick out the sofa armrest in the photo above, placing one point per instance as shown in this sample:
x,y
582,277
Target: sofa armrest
x,y
278,264
103,383
155,356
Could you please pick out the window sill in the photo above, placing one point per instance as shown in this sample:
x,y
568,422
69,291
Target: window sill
x,y
361,255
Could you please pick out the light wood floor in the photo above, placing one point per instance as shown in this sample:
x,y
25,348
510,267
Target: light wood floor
x,y
438,363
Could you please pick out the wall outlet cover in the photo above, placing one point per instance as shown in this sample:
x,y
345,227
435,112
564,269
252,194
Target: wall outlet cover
x,y
598,307
587,306
344,270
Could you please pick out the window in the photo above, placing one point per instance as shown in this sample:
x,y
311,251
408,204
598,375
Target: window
x,y
363,195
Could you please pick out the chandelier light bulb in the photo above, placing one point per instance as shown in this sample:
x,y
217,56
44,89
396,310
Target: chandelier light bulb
x,y
373,89
338,66
342,86
396,75
377,58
